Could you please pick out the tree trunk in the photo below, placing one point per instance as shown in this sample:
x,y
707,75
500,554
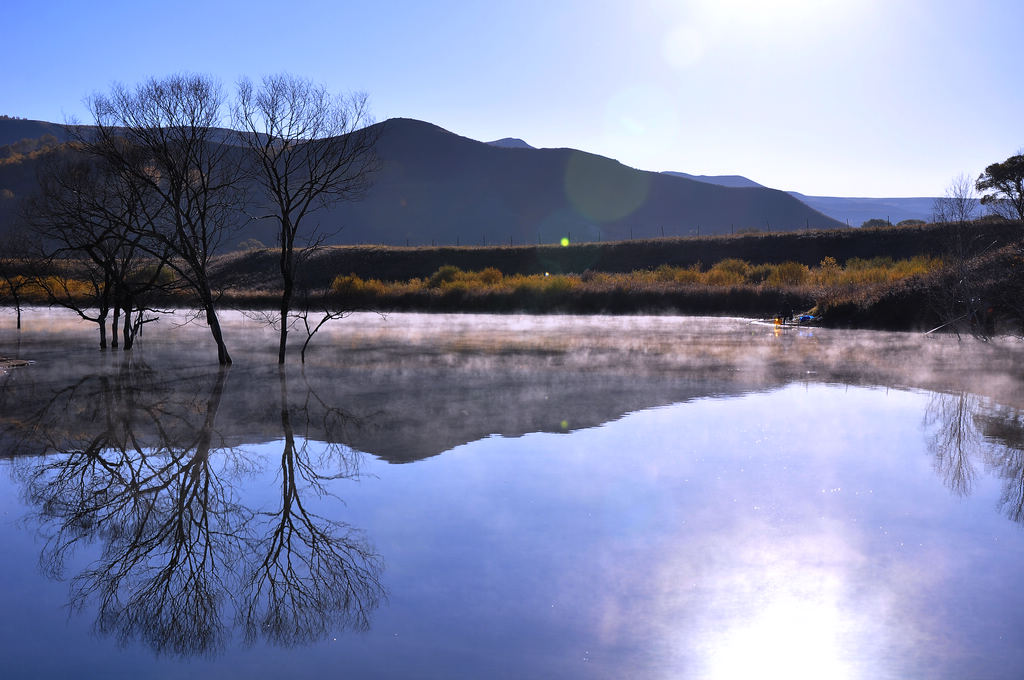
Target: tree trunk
x,y
202,287
127,328
223,358
115,325
288,281
103,331
286,300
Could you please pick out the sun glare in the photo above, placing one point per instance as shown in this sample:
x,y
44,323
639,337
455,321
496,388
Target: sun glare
x,y
692,28
775,12
789,639
776,605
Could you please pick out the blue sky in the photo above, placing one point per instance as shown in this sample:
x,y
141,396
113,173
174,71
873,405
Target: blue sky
x,y
826,97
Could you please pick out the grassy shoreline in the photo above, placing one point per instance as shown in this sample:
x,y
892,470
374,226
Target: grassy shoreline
x,y
731,287
778,275
258,268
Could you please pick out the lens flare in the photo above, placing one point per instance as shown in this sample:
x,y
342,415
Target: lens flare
x,y
601,189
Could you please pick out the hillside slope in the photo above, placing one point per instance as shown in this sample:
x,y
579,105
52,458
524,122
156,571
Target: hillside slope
x,y
435,187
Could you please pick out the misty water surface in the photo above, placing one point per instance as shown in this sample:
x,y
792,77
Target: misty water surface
x,y
509,497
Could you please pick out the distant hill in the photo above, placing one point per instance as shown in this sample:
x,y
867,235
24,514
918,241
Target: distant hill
x,y
511,143
435,187
852,211
15,129
735,181
856,211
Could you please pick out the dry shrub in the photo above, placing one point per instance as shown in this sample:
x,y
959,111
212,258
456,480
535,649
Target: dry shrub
x,y
352,285
732,284
546,283
728,272
759,273
491,276
829,272
733,265
599,280
349,284
560,283
461,283
788,274
723,277
669,274
61,286
444,274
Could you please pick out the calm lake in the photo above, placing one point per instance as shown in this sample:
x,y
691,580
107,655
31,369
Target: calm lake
x,y
485,496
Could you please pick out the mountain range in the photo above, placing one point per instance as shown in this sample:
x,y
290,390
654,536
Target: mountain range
x,y
436,187
852,211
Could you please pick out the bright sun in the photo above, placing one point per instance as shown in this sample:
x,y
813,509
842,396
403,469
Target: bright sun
x,y
770,11
691,29
781,18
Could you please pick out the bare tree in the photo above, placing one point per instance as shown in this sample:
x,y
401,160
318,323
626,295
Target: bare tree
x,y
959,204
14,250
86,224
315,310
73,244
163,139
310,149
311,310
957,298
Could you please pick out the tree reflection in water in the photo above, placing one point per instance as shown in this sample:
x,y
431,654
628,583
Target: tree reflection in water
x,y
954,438
153,485
966,430
1004,430
310,565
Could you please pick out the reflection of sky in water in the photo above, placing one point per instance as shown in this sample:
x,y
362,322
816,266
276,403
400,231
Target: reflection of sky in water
x,y
801,534
805,531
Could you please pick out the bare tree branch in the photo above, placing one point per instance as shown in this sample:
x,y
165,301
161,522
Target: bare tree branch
x,y
310,149
163,140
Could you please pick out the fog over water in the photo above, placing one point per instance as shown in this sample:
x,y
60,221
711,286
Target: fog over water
x,y
576,497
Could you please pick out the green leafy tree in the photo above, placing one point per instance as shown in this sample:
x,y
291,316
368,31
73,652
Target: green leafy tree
x,y
1005,184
